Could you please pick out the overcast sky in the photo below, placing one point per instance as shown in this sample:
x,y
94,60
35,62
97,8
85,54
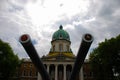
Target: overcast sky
x,y
41,18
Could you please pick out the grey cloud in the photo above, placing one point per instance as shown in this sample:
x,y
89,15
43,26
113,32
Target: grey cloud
x,y
104,12
11,6
106,24
12,25
15,22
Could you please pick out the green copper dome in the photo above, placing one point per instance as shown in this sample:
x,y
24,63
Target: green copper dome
x,y
61,34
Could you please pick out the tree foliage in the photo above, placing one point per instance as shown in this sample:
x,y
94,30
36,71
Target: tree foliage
x,y
105,60
8,61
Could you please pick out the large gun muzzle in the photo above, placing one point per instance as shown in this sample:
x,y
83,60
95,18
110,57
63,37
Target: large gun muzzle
x,y
87,39
29,48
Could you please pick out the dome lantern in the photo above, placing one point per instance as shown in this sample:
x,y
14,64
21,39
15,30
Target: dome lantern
x,y
61,27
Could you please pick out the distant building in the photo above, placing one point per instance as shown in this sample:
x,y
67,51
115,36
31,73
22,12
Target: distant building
x,y
27,70
58,62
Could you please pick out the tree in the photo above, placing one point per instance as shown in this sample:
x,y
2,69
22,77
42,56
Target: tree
x,y
105,60
8,61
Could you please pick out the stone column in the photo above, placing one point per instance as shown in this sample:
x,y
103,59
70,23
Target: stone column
x,y
64,72
48,67
39,76
81,73
56,72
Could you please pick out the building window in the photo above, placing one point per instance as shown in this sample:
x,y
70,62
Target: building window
x,y
24,73
61,47
36,73
30,72
85,75
91,74
60,36
67,46
30,65
53,47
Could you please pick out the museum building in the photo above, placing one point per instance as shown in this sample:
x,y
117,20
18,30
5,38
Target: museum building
x,y
58,62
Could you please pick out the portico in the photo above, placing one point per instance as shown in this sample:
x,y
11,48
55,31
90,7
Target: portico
x,y
61,71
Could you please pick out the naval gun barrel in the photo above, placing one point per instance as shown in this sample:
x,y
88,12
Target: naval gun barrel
x,y
29,48
87,39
